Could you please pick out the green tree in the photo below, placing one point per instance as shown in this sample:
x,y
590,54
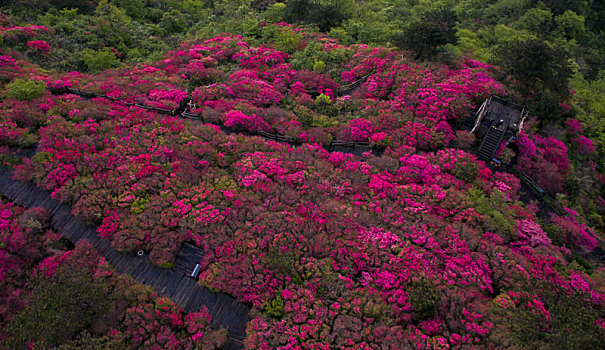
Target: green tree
x,y
536,20
541,70
325,14
112,24
570,25
173,21
136,9
275,12
423,37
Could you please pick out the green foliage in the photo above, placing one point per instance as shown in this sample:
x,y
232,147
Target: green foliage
x,y
323,99
308,57
475,42
572,319
275,12
466,171
282,263
424,298
134,8
342,35
62,306
287,40
26,90
173,22
590,106
166,265
555,233
325,14
536,20
497,220
112,24
89,342
324,106
319,66
324,121
274,307
504,11
194,8
139,204
361,30
570,25
98,60
304,115
580,263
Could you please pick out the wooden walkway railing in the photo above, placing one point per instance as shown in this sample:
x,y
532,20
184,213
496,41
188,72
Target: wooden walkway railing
x,y
353,147
348,89
172,283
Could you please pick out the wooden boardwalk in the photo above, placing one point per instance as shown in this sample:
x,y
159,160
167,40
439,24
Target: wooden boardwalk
x,y
172,283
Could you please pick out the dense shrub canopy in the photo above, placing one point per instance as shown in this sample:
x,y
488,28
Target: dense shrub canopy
x,y
408,242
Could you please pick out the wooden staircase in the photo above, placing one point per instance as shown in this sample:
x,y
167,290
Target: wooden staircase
x,y
490,144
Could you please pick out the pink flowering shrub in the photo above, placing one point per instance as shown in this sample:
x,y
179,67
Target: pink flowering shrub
x,y
125,313
15,34
410,102
163,325
39,46
246,85
248,122
584,146
574,233
531,232
6,60
168,99
544,159
360,129
574,126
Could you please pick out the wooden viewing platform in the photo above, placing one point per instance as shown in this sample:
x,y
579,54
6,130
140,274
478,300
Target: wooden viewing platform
x,y
497,121
174,283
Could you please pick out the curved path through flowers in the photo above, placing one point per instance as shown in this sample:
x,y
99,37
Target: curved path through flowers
x,y
172,283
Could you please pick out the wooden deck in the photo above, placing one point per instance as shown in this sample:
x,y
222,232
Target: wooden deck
x,y
172,283
188,256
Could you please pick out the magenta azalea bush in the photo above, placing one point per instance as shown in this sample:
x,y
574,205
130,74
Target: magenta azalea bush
x,y
543,158
39,46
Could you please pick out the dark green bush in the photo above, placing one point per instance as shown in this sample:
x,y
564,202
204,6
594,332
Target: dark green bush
x,y
467,171
424,36
424,298
324,14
